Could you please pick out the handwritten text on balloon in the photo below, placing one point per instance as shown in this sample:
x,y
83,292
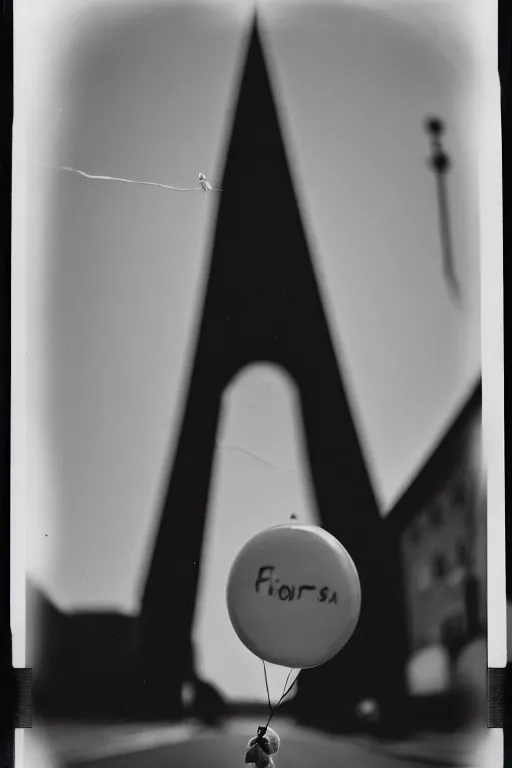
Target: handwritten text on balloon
x,y
293,592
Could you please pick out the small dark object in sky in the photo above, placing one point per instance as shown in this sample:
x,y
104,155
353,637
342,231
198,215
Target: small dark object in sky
x,y
440,162
435,126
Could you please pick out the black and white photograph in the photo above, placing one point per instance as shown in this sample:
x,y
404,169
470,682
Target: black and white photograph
x,y
255,452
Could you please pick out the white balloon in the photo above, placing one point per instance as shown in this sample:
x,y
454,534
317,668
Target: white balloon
x,y
294,596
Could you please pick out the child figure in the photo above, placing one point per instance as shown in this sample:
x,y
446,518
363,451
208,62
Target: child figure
x,y
261,747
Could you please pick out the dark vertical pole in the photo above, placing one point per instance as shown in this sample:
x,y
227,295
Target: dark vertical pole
x,y
445,232
440,164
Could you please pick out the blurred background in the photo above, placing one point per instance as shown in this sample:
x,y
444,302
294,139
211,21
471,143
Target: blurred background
x,y
202,366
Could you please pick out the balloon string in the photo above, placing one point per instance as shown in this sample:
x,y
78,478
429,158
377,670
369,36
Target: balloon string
x,y
266,685
286,691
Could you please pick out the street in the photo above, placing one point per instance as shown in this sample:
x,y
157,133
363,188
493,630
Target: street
x,y
190,746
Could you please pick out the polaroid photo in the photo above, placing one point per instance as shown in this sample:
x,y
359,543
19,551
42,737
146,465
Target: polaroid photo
x,y
257,484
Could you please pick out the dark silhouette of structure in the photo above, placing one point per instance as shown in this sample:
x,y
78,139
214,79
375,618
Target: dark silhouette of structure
x,y
441,524
443,574
262,303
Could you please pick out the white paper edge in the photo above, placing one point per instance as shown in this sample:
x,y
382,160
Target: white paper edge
x,y
491,255
492,374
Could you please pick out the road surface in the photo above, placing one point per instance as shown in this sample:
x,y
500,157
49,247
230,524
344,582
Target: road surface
x,y
191,746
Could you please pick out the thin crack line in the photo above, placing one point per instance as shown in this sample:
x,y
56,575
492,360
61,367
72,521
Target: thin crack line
x,y
252,455
131,181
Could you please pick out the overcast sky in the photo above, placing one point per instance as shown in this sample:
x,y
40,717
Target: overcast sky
x,y
115,271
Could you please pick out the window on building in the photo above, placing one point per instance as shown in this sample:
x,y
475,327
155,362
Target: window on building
x,y
414,532
423,579
435,514
453,633
461,553
439,567
459,494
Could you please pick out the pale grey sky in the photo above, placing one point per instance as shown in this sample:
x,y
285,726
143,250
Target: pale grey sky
x,y
115,271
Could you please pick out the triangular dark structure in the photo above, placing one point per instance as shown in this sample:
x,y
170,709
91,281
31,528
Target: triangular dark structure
x,y
262,303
